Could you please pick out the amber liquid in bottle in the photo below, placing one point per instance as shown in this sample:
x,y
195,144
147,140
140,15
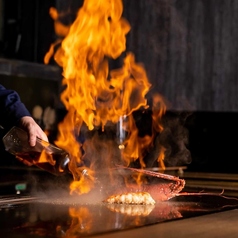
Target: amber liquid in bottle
x,y
58,165
44,155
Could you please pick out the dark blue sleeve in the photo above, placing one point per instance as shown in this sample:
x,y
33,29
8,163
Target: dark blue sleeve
x,y
11,108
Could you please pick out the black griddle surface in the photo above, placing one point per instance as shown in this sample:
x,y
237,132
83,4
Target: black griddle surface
x,y
59,217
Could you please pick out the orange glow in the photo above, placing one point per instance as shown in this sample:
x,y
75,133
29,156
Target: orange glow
x,y
97,96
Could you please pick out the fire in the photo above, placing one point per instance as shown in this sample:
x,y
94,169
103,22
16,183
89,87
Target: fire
x,y
60,30
96,96
46,158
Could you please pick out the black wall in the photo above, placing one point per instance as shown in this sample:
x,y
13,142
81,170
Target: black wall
x,y
27,30
189,48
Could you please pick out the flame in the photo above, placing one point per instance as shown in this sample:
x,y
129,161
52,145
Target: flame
x,y
60,30
46,158
95,95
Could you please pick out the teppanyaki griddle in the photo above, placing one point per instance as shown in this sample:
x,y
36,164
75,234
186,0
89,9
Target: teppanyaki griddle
x,y
71,217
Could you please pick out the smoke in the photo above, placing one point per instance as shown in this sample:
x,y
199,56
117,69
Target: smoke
x,y
174,138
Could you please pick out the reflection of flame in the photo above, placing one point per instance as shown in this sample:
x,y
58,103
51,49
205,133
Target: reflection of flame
x,y
96,96
82,221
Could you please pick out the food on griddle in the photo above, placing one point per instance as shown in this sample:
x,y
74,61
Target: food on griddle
x,y
131,198
131,210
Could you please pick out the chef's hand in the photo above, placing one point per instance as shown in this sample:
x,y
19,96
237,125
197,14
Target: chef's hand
x,y
33,130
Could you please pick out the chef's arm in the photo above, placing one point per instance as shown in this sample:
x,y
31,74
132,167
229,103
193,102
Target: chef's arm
x,y
11,107
15,113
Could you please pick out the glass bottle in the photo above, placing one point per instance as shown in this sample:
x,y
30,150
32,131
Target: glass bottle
x,y
44,155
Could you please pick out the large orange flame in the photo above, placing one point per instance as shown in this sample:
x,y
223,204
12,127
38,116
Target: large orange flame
x,y
96,96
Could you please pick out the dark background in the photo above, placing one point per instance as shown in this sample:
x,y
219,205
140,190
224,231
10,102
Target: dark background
x,y
188,47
